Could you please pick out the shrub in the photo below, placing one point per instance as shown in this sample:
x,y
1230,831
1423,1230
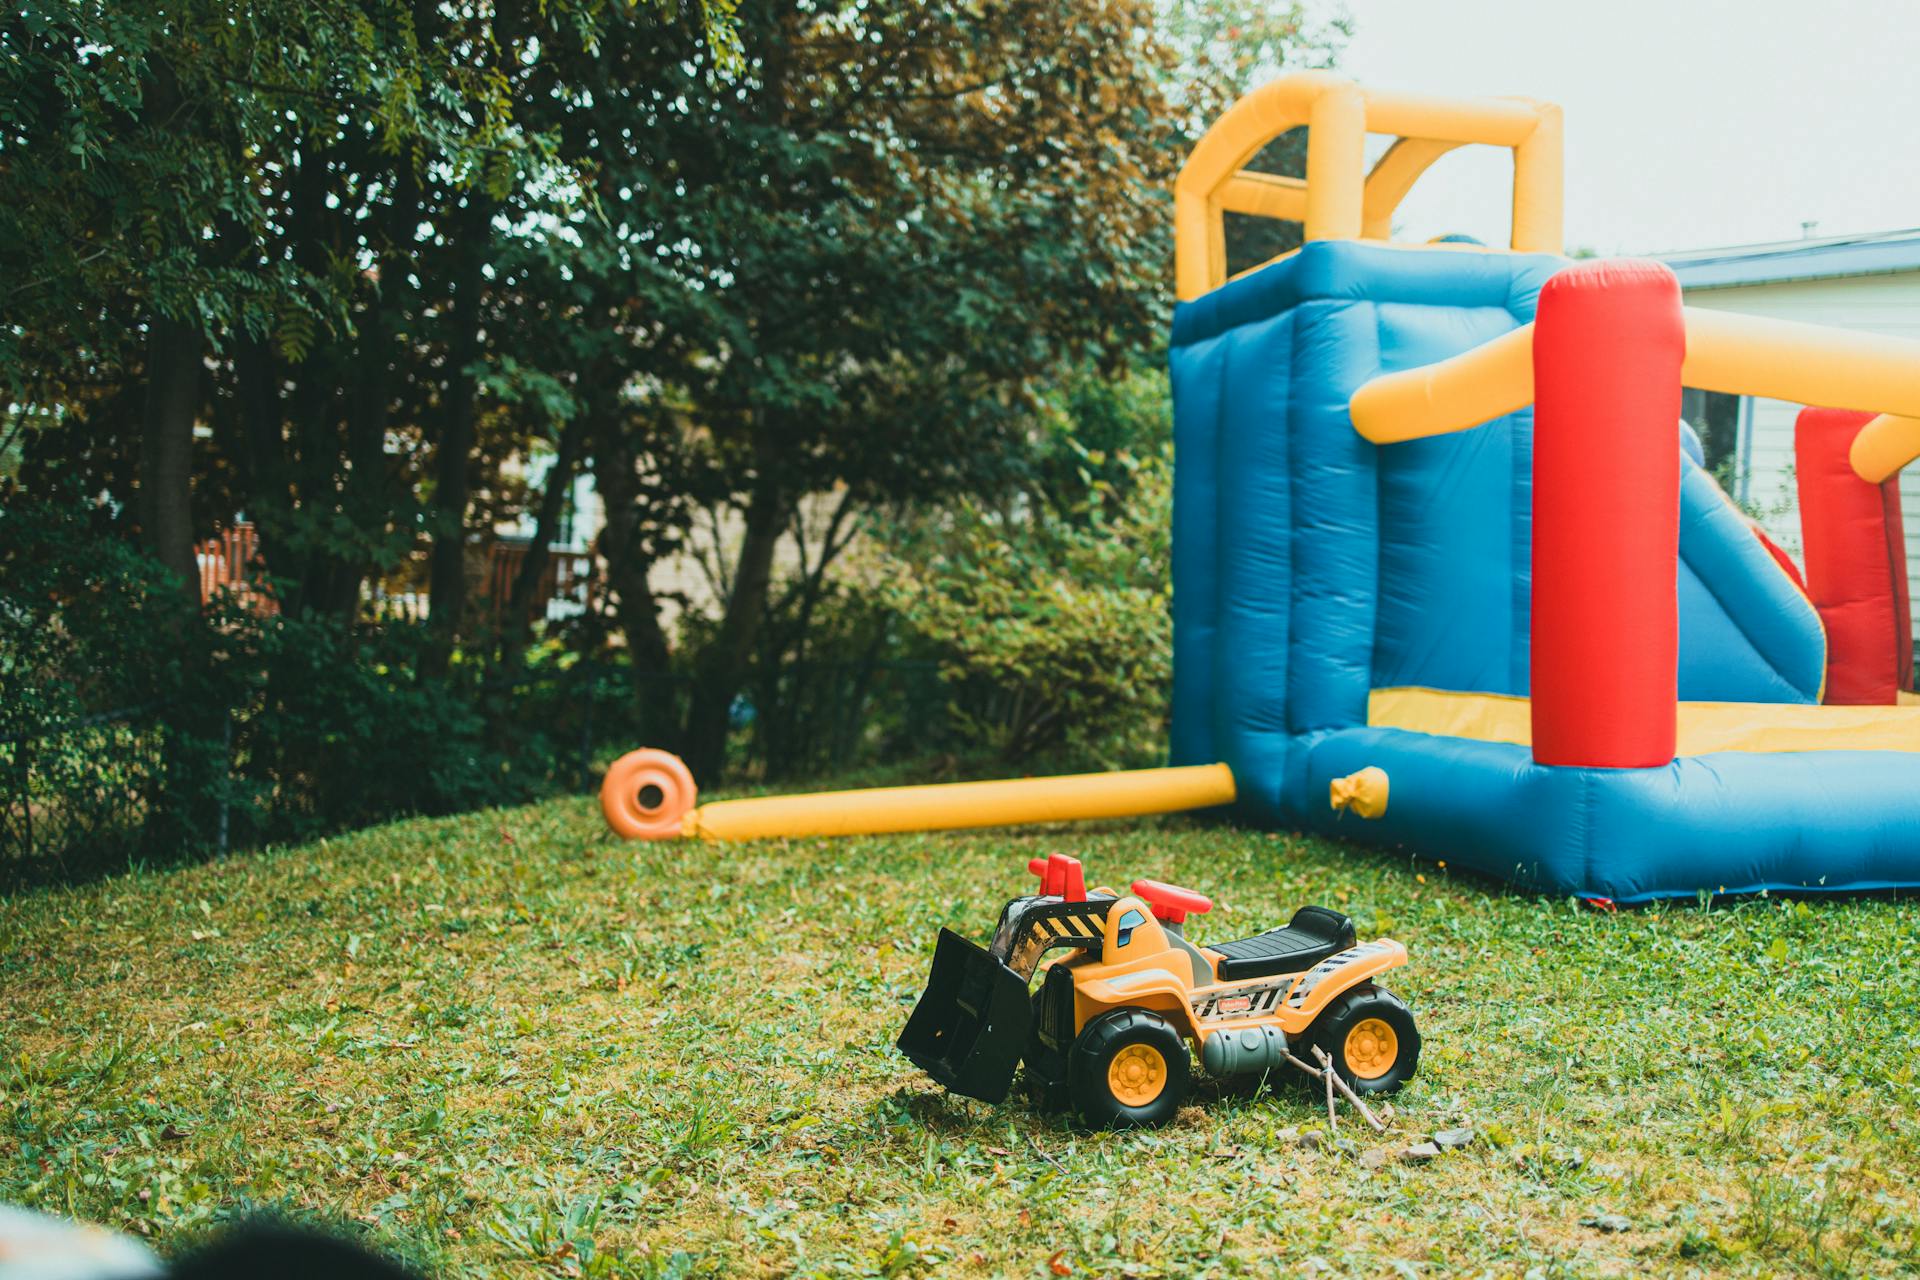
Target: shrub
x,y
132,725
1049,621
86,619
332,727
829,687
95,646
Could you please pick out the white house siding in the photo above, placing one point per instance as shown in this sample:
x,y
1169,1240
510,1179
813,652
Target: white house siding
x,y
1887,304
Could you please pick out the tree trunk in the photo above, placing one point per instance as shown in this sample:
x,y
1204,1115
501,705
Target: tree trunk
x,y
166,448
517,628
361,495
629,558
453,461
164,502
624,547
262,438
165,507
368,493
723,667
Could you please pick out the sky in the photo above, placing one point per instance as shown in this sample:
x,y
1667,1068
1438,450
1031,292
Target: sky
x,y
1690,123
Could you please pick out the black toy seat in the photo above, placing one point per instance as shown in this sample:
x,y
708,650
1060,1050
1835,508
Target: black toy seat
x,y
1311,936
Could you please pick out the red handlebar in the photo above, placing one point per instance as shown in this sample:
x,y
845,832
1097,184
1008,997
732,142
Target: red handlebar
x,y
1170,902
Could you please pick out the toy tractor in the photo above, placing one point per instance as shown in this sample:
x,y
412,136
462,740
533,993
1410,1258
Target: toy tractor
x,y
1106,1033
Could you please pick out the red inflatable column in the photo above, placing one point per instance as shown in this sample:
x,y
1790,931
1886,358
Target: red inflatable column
x,y
1856,562
1607,345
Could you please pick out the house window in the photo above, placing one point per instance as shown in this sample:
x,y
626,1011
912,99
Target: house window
x,y
1715,418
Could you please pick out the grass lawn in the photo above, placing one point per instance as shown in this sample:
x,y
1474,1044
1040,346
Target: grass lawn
x,y
507,1043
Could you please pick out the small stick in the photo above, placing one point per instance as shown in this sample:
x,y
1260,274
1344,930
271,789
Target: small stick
x,y
1326,1066
1379,1126
1043,1155
1352,1097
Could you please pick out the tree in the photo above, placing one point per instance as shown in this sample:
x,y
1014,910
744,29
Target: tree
x,y
279,220
347,267
890,225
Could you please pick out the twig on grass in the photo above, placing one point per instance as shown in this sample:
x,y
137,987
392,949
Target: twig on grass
x,y
1335,1082
1043,1155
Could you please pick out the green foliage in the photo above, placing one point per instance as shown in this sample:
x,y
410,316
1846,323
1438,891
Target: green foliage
x,y
86,621
334,729
834,684
94,648
1224,48
131,726
364,268
146,145
1228,47
1049,611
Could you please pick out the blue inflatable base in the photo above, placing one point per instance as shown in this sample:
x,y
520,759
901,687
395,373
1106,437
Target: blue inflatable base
x,y
1737,823
1311,568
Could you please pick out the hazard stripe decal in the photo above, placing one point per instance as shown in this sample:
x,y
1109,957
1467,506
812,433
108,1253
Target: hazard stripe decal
x,y
1261,996
1083,926
1331,965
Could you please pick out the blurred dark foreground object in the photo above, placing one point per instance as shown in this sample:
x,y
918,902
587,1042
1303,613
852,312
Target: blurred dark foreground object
x,y
35,1246
284,1253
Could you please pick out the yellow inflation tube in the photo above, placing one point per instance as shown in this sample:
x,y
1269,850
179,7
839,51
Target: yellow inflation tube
x,y
649,795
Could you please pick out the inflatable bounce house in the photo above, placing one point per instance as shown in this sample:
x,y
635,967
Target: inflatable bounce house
x,y
1449,574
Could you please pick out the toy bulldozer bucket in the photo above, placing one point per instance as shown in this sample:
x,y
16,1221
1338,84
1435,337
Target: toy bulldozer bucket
x,y
972,1022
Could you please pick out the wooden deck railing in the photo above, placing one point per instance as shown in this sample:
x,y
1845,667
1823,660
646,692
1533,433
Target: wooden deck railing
x,y
230,562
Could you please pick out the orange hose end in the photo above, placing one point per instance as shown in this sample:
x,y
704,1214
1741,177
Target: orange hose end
x,y
647,794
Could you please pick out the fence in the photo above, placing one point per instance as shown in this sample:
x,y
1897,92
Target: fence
x,y
76,790
230,561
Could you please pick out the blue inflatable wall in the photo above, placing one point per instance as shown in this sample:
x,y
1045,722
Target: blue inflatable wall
x,y
1311,568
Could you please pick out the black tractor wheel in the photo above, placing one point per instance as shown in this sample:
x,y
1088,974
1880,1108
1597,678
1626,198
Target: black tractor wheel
x,y
1371,1038
1128,1068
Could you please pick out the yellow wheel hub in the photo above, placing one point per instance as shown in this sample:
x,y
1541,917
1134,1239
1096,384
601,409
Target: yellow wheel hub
x,y
1371,1049
1137,1074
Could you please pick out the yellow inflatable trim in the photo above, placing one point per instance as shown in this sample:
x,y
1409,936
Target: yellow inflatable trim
x,y
1705,727
1883,446
965,804
1340,198
1738,354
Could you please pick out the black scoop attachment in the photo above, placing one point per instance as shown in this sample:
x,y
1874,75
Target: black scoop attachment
x,y
971,1024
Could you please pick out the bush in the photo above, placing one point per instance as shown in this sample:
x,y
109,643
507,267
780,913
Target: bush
x,y
333,728
1050,621
86,619
95,646
132,725
829,687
